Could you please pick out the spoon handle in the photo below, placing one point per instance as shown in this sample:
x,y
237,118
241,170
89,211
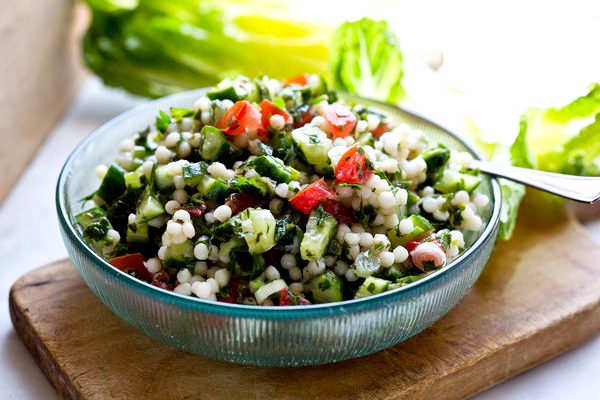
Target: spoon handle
x,y
585,189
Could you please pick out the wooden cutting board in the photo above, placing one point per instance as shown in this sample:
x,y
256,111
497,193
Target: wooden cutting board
x,y
538,296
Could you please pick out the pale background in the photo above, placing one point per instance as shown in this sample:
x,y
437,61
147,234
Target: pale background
x,y
505,55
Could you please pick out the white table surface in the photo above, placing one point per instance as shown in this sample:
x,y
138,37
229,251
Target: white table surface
x,y
544,41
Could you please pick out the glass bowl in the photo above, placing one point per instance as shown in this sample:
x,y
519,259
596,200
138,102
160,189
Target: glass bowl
x,y
278,336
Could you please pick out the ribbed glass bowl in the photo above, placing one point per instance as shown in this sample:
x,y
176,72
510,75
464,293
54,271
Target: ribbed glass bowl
x,y
300,335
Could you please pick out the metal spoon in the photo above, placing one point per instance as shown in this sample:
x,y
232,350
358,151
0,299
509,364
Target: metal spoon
x,y
585,189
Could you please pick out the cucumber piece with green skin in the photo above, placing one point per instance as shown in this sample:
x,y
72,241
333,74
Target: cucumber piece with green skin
x,y
326,288
149,206
258,229
214,189
421,227
95,226
223,93
179,255
320,228
252,186
451,181
163,178
227,229
366,264
194,173
226,247
435,158
274,168
113,184
371,286
313,144
213,143
137,234
135,179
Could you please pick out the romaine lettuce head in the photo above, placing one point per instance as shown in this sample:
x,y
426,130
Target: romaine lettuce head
x,y
366,59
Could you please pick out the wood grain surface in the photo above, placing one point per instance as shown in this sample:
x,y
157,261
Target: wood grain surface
x,y
39,74
538,296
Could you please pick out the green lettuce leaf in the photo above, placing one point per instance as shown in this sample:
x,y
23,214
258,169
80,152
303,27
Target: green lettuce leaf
x,y
155,47
366,59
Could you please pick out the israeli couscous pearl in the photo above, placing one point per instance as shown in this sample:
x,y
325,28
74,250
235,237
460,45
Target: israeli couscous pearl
x,y
184,289
222,213
295,273
153,265
100,171
201,251
222,277
184,275
406,226
386,258
163,154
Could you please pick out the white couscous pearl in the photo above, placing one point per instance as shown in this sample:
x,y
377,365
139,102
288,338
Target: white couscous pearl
x,y
201,268
386,258
101,171
352,238
217,170
318,121
222,276
406,226
354,251
380,240
461,197
288,261
340,142
201,289
272,273
126,145
350,275
361,126
277,122
184,275
178,239
179,182
162,252
209,217
429,204
188,230
373,122
147,168
180,196
174,228
185,149
357,228
171,205
282,190
400,254
481,200
340,268
295,273
153,265
366,239
172,139
187,124
222,213
201,251
184,288
202,104
181,215
387,199
163,154
296,287
214,285
379,220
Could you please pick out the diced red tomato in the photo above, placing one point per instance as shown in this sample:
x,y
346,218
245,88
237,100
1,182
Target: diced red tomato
x,y
354,167
238,202
343,214
306,199
300,80
133,264
305,115
340,119
241,118
381,129
196,210
290,299
268,109
234,291
161,280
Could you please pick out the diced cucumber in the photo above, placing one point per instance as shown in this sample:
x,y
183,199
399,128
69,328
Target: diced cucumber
x,y
94,226
326,288
215,189
194,173
313,144
226,247
113,185
179,255
269,289
366,139
252,185
138,233
139,152
135,179
149,206
452,181
163,178
366,264
258,229
320,228
436,158
421,228
223,93
213,141
274,168
371,286
227,229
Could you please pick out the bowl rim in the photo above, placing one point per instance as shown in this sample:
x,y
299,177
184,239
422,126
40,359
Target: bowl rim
x,y
253,311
